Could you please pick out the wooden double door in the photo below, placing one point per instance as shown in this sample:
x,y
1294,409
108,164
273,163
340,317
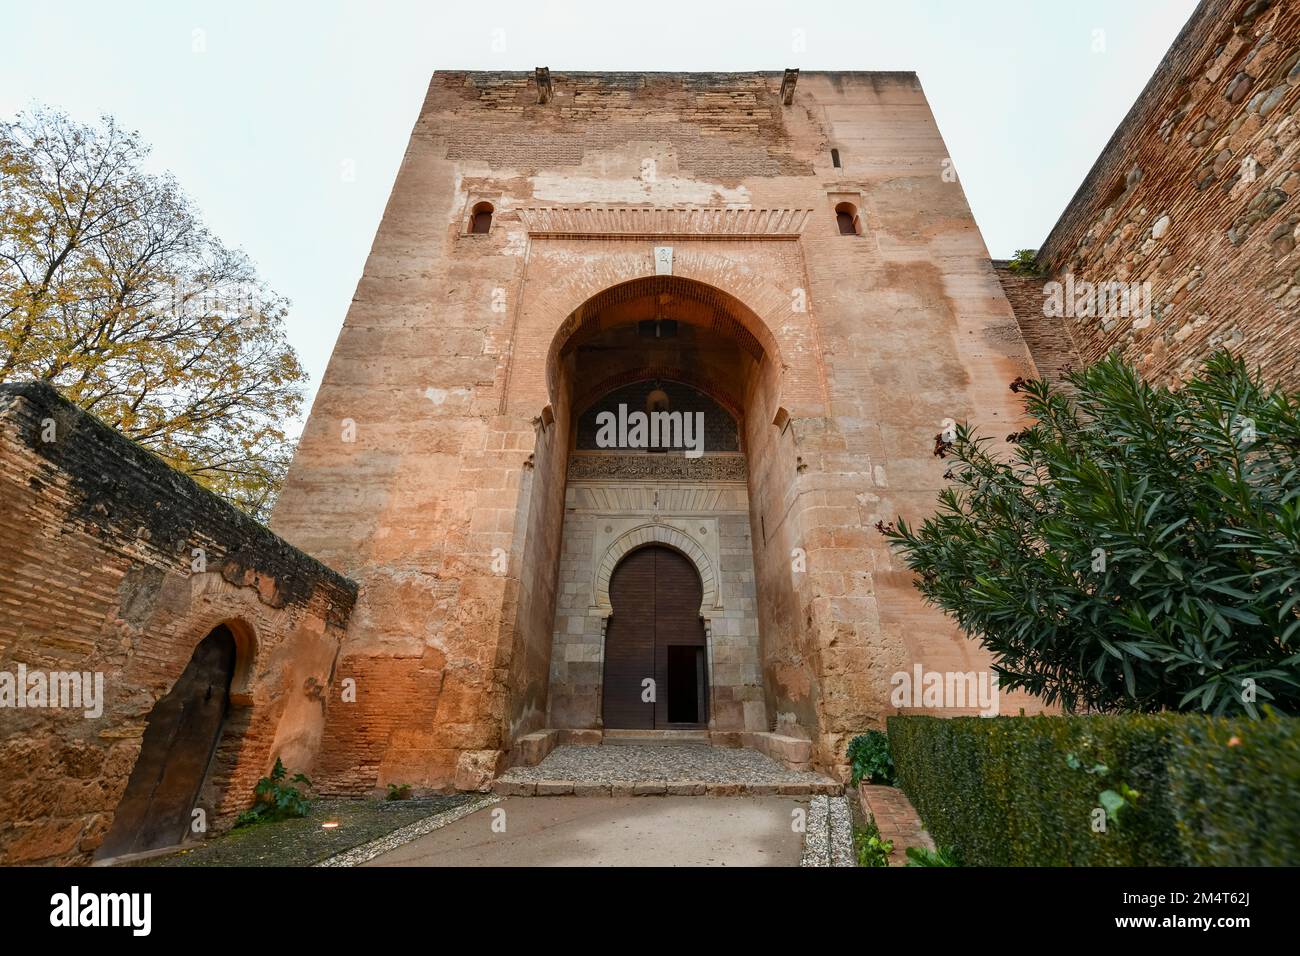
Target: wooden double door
x,y
656,672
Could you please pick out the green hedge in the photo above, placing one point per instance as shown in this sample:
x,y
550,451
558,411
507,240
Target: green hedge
x,y
1018,791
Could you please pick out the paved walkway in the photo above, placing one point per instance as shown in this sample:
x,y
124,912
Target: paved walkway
x,y
619,831
673,769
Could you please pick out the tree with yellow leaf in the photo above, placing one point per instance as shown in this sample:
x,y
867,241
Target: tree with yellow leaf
x,y
113,291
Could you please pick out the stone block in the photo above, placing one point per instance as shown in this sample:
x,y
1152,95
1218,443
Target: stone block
x,y
532,748
476,769
554,788
685,788
514,788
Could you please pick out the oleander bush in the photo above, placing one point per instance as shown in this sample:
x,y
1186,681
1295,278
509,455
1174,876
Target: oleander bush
x,y
1139,548
1105,790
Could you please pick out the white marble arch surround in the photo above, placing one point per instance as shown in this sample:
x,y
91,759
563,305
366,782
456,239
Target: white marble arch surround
x,y
701,548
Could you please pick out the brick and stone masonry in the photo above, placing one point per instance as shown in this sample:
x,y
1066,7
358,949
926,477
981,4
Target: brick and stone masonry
x,y
98,548
1198,195
829,294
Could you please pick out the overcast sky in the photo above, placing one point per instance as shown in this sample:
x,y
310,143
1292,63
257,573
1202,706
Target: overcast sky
x,y
286,121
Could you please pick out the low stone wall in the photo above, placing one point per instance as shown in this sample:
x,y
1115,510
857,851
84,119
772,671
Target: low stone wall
x,y
114,564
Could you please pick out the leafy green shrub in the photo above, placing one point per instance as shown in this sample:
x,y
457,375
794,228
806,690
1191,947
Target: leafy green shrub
x,y
276,800
1024,262
870,758
921,856
1032,791
398,791
1140,551
871,849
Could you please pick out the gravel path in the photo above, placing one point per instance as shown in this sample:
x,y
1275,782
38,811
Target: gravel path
x,y
633,763
828,837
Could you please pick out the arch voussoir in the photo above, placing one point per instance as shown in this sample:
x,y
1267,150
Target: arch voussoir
x,y
650,534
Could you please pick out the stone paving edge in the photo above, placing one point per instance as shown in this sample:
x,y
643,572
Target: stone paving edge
x,y
412,831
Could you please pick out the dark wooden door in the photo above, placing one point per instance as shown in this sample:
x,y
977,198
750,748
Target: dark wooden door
x,y
179,739
655,633
630,642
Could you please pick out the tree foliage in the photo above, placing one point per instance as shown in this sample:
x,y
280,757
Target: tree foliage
x,y
1140,550
112,290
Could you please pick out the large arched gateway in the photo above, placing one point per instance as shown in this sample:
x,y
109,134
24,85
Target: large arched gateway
x,y
661,244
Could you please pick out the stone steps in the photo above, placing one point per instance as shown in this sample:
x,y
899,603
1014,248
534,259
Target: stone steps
x,y
614,738
791,752
506,787
681,764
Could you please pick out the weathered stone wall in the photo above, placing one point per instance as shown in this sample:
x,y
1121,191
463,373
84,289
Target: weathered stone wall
x,y
98,547
441,432
1198,194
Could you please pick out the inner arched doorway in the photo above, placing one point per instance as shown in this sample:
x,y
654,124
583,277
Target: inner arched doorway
x,y
180,737
656,667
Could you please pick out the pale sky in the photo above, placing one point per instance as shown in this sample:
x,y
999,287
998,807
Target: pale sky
x,y
285,122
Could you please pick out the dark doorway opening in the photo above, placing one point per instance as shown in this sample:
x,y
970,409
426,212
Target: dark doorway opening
x,y
685,677
655,670
180,736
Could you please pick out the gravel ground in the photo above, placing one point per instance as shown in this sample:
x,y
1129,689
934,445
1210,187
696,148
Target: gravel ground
x,y
817,834
828,834
304,842
646,762
840,824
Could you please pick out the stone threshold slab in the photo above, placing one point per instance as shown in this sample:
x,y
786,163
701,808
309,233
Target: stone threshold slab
x,y
661,788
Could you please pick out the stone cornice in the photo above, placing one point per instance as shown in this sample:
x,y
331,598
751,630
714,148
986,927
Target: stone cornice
x,y
695,222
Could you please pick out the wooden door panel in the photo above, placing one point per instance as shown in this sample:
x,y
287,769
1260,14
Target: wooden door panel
x,y
179,737
629,643
678,593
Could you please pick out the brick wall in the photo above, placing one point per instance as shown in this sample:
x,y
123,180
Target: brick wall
x,y
1198,195
98,541
1048,338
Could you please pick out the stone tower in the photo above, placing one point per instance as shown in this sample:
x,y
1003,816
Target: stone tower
x,y
792,258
